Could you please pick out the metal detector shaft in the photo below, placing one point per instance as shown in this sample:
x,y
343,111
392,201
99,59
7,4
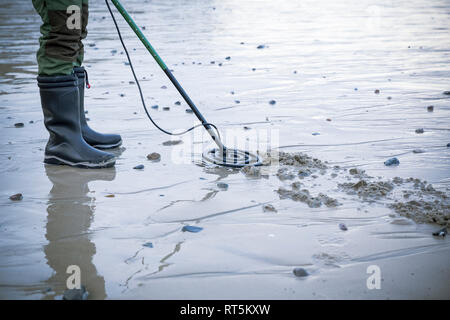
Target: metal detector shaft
x,y
166,70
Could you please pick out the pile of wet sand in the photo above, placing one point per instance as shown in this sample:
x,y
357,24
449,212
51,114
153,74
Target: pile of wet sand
x,y
412,198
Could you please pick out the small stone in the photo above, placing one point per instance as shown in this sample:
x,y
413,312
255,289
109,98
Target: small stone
x,y
420,130
448,145
76,294
418,151
315,133
440,233
300,272
246,128
191,229
19,125
31,121
166,108
177,103
272,102
392,162
261,46
163,87
389,98
328,119
154,156
139,167
222,186
122,95
343,227
16,197
446,92
212,62
228,58
110,196
172,142
189,111
155,106
237,101
430,108
269,208
148,245
377,91
232,92
220,64
253,69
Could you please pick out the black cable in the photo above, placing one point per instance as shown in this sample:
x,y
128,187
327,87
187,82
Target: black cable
x,y
140,90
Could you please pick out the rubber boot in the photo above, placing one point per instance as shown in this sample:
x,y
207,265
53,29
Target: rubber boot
x,y
94,138
61,106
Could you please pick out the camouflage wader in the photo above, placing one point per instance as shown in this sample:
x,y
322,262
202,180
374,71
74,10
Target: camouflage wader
x,y
60,47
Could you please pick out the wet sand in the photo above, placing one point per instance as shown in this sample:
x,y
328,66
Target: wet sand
x,y
322,60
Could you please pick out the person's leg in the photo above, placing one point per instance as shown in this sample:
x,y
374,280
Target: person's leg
x,y
92,137
58,86
59,45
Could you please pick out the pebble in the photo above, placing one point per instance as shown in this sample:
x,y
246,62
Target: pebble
x,y
269,208
19,125
440,233
154,156
448,145
430,108
246,128
300,272
172,142
31,121
178,103
328,119
418,151
272,102
16,197
191,229
110,196
392,162
420,130
237,101
212,62
343,227
166,108
148,245
222,185
76,294
189,111
315,133
139,167
228,58
446,92
261,46
163,87
155,106
377,91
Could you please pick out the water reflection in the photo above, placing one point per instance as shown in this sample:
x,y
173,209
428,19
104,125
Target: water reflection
x,y
71,208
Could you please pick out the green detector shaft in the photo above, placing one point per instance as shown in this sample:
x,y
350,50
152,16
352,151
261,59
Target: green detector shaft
x,y
166,70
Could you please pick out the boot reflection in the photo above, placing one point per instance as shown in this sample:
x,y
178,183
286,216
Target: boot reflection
x,y
70,213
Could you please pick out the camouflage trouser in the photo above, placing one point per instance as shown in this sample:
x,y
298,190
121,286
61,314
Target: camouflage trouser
x,y
63,28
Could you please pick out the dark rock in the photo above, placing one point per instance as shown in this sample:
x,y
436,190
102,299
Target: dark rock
x,y
177,103
163,87
446,92
392,162
154,156
237,101
343,227
166,108
420,130
269,208
272,102
76,294
139,167
155,106
16,197
261,46
228,58
430,108
191,229
172,142
300,272
377,91
189,111
222,185
19,125
440,233
315,133
148,245
418,151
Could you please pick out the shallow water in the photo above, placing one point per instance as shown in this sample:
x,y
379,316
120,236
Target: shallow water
x,y
322,60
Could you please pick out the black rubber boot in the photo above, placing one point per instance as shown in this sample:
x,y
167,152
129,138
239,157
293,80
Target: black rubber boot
x,y
61,105
94,138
